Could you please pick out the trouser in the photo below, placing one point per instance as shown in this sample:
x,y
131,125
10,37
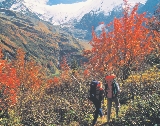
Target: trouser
x,y
97,112
109,106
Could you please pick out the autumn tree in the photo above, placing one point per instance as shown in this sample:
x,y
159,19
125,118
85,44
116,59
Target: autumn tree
x,y
29,72
74,66
53,81
154,22
65,69
121,45
9,85
154,27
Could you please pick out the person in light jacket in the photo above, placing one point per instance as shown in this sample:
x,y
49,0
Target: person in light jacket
x,y
112,89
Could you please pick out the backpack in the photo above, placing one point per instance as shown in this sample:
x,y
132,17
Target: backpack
x,y
113,91
94,90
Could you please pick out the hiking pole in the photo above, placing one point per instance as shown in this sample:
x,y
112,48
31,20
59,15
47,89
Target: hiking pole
x,y
76,79
77,82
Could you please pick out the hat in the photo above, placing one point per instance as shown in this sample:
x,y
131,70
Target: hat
x,y
112,76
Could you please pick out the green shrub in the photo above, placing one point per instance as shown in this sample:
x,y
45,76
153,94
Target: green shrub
x,y
144,111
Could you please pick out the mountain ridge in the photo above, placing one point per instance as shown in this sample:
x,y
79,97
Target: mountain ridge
x,y
77,18
62,13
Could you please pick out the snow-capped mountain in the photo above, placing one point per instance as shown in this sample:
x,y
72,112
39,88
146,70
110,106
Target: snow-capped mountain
x,y
63,13
76,18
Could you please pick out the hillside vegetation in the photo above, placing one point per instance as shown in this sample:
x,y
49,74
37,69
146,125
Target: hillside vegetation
x,y
130,49
46,43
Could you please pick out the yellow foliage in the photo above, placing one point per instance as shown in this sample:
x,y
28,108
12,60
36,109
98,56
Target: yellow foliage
x,y
42,27
151,74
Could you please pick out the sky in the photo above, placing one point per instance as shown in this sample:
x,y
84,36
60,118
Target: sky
x,y
54,2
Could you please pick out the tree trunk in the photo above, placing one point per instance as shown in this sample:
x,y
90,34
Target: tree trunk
x,y
125,72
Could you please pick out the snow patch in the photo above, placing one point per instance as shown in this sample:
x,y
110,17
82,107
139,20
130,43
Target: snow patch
x,y
63,13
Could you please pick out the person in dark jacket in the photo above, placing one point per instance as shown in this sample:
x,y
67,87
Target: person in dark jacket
x,y
97,102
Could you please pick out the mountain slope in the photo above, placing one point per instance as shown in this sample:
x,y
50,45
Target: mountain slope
x,y
40,40
150,6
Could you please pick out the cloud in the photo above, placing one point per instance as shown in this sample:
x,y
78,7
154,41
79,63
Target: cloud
x,y
137,1
100,27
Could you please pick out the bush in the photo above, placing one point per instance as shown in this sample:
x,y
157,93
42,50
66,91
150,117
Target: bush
x,y
141,111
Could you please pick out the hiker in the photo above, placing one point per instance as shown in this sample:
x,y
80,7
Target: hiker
x,y
96,96
111,90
